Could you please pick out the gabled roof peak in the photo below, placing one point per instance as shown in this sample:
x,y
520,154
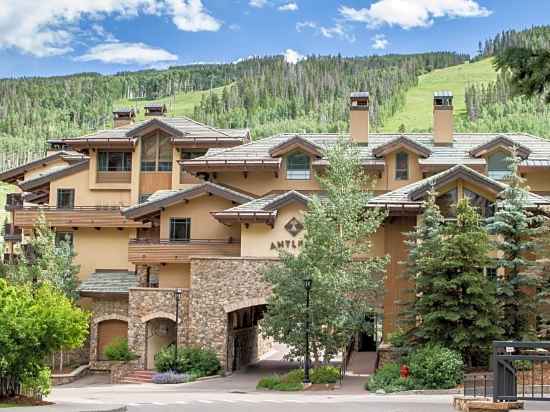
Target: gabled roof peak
x,y
296,142
154,122
401,141
502,141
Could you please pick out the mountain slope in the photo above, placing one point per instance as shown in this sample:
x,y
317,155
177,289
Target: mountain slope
x,y
416,113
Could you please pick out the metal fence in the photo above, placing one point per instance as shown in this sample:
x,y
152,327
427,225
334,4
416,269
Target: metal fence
x,y
478,384
521,371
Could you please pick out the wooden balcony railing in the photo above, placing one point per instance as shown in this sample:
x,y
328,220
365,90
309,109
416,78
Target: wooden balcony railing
x,y
79,216
114,177
166,251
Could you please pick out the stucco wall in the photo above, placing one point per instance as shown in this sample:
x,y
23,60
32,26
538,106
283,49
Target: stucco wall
x,y
101,249
84,196
174,275
203,225
52,165
258,239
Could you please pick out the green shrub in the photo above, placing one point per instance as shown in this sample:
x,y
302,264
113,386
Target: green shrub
x,y
325,374
294,376
191,360
389,379
436,367
40,384
289,387
118,350
269,382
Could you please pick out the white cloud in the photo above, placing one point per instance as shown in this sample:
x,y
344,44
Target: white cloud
x,y
191,15
305,25
127,53
379,42
49,27
412,13
257,3
288,7
292,56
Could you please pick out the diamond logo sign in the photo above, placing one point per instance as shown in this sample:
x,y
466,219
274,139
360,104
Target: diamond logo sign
x,y
294,226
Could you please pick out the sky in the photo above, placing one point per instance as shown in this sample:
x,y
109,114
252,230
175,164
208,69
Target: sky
x,y
58,37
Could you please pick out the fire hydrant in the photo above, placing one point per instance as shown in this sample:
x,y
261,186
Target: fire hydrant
x,y
404,371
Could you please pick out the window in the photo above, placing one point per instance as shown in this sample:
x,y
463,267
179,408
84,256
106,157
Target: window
x,y
64,237
65,198
156,154
491,274
144,197
114,161
297,167
188,155
401,166
180,229
497,165
152,279
484,207
447,203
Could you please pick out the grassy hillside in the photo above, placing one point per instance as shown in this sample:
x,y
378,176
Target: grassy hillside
x,y
416,114
182,104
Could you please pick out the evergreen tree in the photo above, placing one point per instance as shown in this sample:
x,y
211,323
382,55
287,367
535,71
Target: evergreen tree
x,y
542,271
455,304
345,290
514,227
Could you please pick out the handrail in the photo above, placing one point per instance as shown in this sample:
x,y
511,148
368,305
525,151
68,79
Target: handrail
x,y
184,242
75,208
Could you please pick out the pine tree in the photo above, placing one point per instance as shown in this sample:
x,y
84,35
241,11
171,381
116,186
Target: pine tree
x,y
455,304
514,227
541,270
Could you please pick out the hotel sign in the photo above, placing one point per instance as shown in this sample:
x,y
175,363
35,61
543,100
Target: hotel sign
x,y
294,227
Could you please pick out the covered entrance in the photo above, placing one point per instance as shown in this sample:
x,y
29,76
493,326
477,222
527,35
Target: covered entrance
x,y
161,332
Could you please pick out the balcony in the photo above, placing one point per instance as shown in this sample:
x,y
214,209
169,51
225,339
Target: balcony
x,y
166,251
79,216
13,234
114,177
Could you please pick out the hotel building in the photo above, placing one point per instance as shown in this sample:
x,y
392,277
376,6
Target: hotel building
x,y
171,204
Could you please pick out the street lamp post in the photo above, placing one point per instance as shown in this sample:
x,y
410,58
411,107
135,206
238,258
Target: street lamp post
x,y
178,297
307,286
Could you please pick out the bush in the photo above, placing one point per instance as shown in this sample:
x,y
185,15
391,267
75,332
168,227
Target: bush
x,y
436,367
40,384
325,374
118,351
269,382
388,378
195,361
172,378
289,387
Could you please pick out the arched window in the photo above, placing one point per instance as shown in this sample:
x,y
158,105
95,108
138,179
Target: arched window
x,y
401,166
447,203
297,167
484,206
497,165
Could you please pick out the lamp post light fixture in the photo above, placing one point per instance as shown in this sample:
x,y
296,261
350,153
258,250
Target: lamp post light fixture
x,y
178,297
307,285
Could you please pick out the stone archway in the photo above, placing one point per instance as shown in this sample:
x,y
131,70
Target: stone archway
x,y
160,333
108,331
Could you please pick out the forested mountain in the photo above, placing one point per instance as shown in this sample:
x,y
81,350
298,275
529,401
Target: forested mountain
x,y
537,37
266,94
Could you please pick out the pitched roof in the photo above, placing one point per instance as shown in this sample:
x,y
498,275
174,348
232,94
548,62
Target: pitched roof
x,y
108,282
296,142
166,198
503,141
54,174
263,209
401,141
155,122
446,156
11,175
411,196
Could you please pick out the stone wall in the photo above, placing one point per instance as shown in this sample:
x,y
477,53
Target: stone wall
x,y
146,304
105,309
220,286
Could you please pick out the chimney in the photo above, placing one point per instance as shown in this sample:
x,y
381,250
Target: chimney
x,y
155,109
443,118
359,117
122,117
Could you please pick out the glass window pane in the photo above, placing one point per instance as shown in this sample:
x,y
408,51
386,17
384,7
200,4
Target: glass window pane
x,y
180,229
148,153
298,167
102,160
447,203
401,166
497,165
115,162
65,198
64,237
484,207
127,162
165,149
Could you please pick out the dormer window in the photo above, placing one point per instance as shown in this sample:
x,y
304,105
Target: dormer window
x,y
298,167
497,165
401,166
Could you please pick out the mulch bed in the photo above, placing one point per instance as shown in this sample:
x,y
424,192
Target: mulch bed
x,y
24,401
